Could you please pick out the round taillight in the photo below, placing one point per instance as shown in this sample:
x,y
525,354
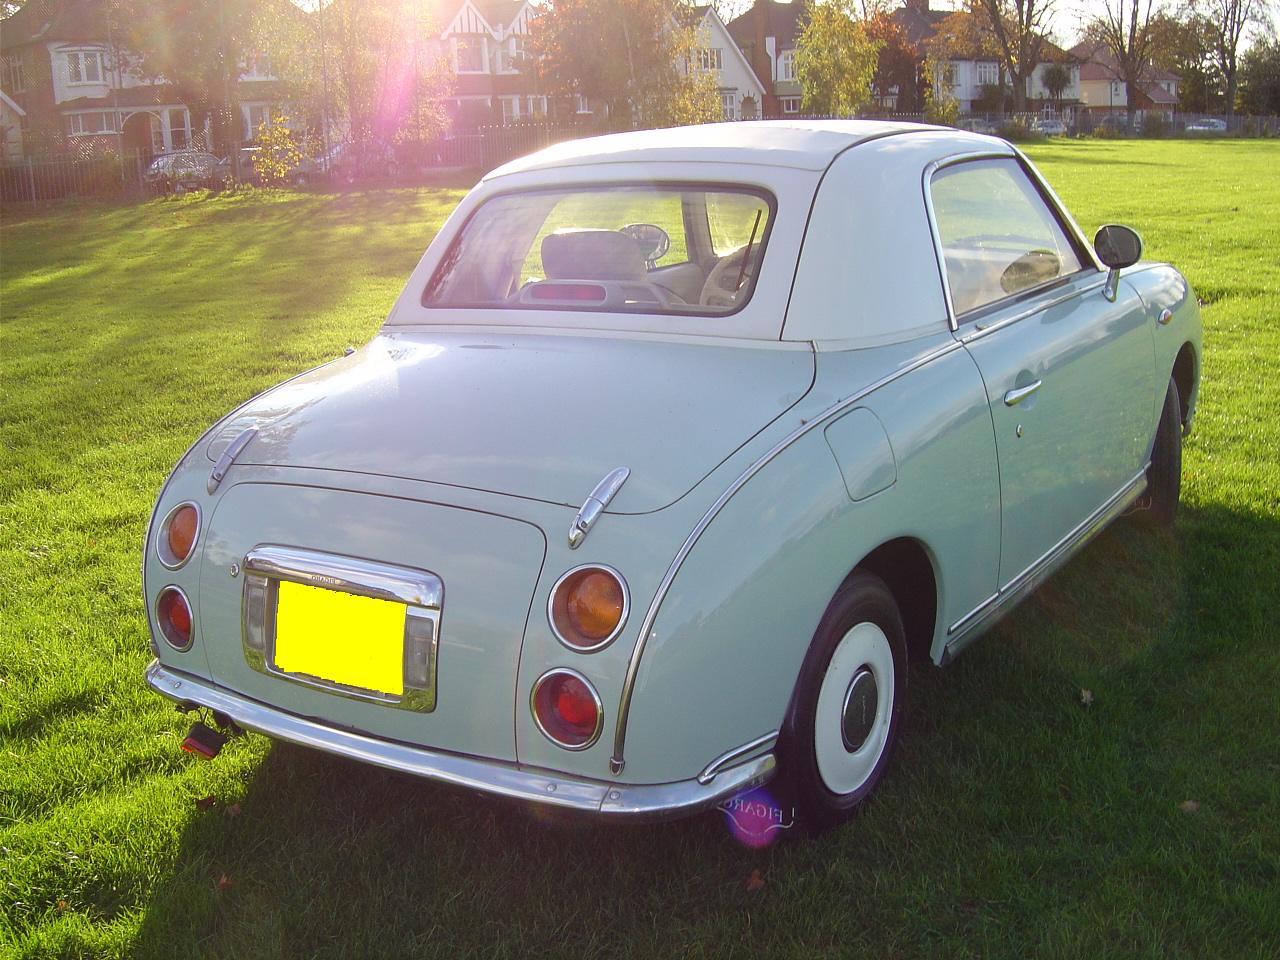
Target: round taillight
x,y
178,535
588,607
173,617
567,709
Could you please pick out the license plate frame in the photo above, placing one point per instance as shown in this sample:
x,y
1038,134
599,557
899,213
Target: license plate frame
x,y
419,592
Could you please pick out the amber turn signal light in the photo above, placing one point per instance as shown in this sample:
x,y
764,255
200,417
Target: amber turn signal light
x,y
178,535
588,607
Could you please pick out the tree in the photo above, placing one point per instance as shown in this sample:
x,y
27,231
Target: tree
x,y
941,105
278,154
1125,29
895,63
1260,78
1056,78
198,53
1183,44
641,57
835,59
1018,29
1228,20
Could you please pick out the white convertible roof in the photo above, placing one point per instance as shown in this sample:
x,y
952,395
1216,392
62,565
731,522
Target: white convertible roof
x,y
798,144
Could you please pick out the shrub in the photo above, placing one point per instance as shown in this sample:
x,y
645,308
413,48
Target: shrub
x,y
278,154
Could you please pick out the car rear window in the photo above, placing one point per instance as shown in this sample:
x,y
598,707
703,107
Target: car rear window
x,y
649,248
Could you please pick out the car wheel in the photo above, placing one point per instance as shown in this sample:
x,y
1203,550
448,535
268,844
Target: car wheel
x,y
845,713
1164,476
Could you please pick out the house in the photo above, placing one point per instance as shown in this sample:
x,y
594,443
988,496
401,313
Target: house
x,y
12,121
742,94
80,92
766,35
484,43
1103,90
975,77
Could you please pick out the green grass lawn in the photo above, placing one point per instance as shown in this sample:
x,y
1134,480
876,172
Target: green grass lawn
x,y
1017,822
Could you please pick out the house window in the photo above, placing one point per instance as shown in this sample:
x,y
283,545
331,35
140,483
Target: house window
x,y
708,58
790,104
787,65
179,129
84,66
470,53
988,74
13,76
535,107
255,115
258,67
511,54
87,124
510,109
583,105
729,103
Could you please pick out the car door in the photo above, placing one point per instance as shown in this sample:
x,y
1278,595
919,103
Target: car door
x,y
1069,373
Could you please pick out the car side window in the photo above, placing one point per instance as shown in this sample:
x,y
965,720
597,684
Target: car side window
x,y
998,235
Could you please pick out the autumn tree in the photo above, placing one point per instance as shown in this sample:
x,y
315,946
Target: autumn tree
x,y
1125,29
895,62
641,57
836,59
1056,78
1018,31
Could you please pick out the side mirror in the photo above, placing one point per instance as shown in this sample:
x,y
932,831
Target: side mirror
x,y
1117,247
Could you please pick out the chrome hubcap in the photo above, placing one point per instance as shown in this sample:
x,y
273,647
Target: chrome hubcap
x,y
859,709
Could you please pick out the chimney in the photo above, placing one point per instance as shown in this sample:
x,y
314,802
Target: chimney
x,y
760,61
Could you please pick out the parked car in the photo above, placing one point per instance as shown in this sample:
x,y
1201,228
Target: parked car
x,y
248,167
676,448
350,161
183,170
1207,125
1050,127
977,125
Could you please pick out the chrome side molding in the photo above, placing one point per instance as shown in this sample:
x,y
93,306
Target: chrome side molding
x,y
233,450
595,505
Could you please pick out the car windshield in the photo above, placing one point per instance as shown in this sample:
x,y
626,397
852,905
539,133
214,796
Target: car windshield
x,y
647,248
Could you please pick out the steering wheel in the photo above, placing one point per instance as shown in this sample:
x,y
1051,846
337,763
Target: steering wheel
x,y
723,286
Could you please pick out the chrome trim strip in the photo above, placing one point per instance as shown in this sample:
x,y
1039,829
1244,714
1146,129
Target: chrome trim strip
x,y
736,755
617,761
1041,568
350,574
926,186
979,331
505,779
162,535
595,505
420,591
533,708
228,457
622,621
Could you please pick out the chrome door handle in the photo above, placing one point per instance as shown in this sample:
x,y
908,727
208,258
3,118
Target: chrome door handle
x,y
1018,394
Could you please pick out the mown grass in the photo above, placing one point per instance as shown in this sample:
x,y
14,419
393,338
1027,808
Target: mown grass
x,y
1017,822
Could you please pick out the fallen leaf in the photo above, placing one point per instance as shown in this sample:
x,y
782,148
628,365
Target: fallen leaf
x,y
63,906
204,803
1189,806
755,881
1086,697
225,882
233,810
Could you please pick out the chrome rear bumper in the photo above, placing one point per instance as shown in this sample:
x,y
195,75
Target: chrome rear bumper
x,y
629,801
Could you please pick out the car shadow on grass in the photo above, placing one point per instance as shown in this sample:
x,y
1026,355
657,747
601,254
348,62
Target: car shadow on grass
x,y
1058,749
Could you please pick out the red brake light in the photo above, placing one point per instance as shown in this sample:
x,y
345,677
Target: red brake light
x,y
173,617
567,709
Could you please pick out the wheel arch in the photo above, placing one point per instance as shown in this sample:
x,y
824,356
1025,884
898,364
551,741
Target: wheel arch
x,y
1186,374
909,570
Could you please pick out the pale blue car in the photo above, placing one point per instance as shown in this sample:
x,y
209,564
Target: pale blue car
x,y
676,448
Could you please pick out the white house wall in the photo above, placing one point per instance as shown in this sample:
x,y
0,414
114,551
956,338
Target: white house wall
x,y
735,74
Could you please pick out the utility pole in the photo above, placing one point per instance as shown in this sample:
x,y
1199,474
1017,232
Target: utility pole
x,y
324,105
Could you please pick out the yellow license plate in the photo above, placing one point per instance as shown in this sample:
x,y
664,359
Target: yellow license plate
x,y
340,637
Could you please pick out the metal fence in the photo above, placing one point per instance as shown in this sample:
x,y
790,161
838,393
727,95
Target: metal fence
x,y
482,148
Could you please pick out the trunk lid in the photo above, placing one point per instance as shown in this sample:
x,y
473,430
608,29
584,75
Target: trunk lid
x,y
540,417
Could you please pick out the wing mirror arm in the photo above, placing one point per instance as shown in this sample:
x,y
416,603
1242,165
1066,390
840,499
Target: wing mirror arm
x,y
1117,246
